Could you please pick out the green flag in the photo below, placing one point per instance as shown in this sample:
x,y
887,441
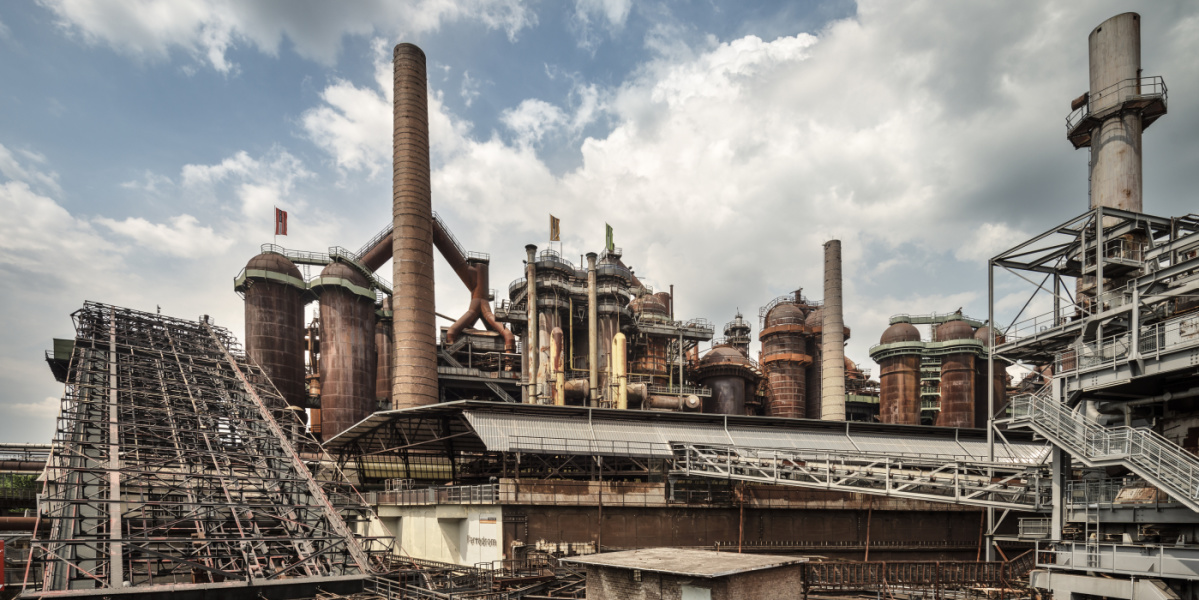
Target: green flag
x,y
608,238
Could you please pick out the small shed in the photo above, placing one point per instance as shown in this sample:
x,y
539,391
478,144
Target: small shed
x,y
684,574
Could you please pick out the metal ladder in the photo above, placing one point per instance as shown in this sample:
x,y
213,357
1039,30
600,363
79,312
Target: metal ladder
x,y
1162,463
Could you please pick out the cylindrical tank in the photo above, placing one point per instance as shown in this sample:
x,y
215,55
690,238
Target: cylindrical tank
x,y
899,378
1115,58
383,347
730,376
814,325
957,377
274,291
784,358
348,358
650,353
414,323
999,382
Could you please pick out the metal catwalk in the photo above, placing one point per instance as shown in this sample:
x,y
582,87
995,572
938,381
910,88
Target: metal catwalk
x,y
179,464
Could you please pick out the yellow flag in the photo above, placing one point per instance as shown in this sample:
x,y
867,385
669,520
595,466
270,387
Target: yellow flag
x,y
555,232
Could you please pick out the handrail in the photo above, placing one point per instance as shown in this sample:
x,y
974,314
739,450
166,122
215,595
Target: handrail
x,y
1145,452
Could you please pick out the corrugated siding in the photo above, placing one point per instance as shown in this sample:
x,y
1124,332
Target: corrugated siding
x,y
508,432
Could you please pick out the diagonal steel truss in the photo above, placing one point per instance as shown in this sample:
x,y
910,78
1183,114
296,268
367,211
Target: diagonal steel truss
x,y
177,463
956,480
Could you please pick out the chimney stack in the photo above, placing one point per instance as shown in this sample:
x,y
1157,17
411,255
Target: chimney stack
x,y
414,322
832,348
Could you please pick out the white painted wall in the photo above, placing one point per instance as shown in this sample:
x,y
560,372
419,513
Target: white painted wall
x,y
462,534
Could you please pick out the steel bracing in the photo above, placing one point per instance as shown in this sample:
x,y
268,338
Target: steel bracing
x,y
953,479
177,463
1152,457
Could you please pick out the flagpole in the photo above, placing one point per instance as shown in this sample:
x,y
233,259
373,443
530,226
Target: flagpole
x,y
275,224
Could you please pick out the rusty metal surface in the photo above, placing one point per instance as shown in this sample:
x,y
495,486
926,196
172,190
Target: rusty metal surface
x,y
946,535
787,376
348,360
999,382
383,348
957,377
899,399
275,326
412,257
730,375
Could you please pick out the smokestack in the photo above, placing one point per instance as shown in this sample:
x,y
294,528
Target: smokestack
x,y
592,333
412,212
1115,61
832,348
532,344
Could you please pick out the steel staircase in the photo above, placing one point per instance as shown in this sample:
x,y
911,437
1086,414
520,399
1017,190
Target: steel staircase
x,y
1146,453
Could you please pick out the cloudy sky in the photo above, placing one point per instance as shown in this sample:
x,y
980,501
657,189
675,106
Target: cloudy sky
x,y
143,144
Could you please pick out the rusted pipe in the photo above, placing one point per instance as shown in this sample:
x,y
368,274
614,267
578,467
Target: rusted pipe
x,y
378,254
531,346
17,523
687,403
592,332
619,371
557,373
17,466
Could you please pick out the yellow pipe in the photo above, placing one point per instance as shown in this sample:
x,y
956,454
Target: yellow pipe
x,y
619,370
557,374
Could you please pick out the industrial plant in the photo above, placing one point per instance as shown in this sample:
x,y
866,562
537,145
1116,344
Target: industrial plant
x,y
571,436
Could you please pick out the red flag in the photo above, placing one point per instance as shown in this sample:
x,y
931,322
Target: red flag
x,y
280,222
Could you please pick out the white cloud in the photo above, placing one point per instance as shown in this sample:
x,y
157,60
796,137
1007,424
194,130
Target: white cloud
x,y
727,164
209,30
592,15
470,89
532,119
183,237
11,168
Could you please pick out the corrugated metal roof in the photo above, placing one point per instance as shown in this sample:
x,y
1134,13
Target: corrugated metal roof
x,y
504,427
533,433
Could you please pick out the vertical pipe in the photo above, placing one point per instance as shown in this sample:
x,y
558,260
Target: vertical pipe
x,y
619,358
592,332
832,354
557,372
412,244
532,345
991,397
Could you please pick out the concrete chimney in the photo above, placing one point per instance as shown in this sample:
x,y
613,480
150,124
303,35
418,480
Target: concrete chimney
x,y
832,347
414,322
1115,60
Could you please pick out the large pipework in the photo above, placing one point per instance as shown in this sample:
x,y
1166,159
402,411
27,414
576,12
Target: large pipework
x,y
557,370
412,223
592,332
532,347
832,348
619,371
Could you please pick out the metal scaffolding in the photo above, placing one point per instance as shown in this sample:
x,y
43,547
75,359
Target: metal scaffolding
x,y
177,463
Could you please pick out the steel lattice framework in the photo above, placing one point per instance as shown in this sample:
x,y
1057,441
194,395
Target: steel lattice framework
x,y
179,464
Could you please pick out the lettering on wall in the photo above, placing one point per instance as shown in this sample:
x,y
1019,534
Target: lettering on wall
x,y
478,541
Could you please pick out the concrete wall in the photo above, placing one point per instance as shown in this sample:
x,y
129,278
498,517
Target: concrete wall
x,y
465,535
606,583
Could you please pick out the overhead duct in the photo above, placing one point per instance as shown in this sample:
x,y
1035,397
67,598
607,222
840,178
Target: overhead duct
x,y
412,257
